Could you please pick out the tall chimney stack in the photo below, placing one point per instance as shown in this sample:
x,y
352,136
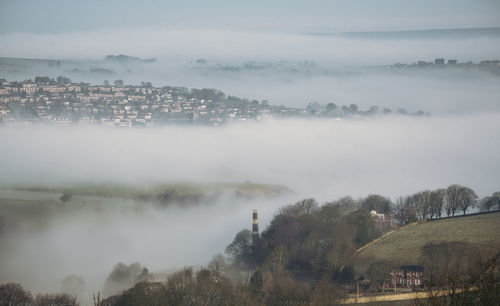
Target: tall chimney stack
x,y
255,226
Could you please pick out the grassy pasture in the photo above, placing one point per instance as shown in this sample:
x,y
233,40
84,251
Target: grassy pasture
x,y
404,245
149,192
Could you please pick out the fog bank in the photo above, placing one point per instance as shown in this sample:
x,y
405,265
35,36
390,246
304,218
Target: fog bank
x,y
42,244
283,68
87,237
326,159
170,42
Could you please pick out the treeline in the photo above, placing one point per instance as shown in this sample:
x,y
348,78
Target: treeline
x,y
212,286
300,258
460,274
311,243
12,294
297,260
332,109
432,204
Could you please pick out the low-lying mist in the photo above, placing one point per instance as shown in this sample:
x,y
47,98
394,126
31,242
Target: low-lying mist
x,y
389,155
438,91
87,236
170,43
288,69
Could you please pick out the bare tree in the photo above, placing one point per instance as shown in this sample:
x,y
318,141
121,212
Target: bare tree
x,y
14,294
56,299
488,202
452,199
180,287
423,204
123,277
437,198
240,250
400,210
405,209
467,199
217,266
378,203
302,208
496,195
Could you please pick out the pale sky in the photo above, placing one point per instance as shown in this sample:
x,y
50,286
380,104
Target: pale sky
x,y
61,16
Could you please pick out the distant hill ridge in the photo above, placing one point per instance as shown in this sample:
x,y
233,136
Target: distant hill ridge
x,y
456,33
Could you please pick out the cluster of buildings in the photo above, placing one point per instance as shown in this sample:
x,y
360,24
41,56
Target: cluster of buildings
x,y
60,102
408,276
405,276
35,103
492,66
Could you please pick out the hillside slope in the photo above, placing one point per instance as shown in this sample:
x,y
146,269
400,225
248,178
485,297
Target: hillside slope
x,y
404,245
176,191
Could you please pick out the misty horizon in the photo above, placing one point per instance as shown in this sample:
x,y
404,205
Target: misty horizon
x,y
369,115
195,154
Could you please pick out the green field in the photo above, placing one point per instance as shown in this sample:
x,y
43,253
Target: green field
x,y
169,191
34,204
404,245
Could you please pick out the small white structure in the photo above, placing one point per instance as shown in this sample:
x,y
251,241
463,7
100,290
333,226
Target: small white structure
x,y
374,214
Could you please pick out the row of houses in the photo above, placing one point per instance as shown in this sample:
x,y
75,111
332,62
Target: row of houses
x,y
408,276
65,103
115,106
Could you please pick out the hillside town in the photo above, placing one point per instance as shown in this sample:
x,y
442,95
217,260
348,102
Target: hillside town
x,y
491,66
60,102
